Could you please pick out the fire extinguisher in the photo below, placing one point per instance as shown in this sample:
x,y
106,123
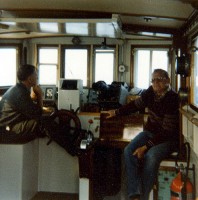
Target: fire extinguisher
x,y
181,187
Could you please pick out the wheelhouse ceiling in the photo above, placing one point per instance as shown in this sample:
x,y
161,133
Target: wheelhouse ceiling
x,y
104,18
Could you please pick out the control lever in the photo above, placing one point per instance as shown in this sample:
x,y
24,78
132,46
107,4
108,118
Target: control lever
x,y
87,141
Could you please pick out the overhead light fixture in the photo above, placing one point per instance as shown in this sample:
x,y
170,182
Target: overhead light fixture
x,y
147,19
104,44
76,40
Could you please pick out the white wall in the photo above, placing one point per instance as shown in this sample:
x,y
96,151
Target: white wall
x,y
58,170
190,132
18,171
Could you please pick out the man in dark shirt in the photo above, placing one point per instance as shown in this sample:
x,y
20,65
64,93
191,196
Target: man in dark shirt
x,y
159,139
21,109
21,117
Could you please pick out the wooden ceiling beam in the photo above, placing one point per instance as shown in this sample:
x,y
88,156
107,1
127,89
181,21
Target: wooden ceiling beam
x,y
58,13
72,14
132,28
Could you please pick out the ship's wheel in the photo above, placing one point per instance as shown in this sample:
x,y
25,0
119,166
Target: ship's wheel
x,y
69,134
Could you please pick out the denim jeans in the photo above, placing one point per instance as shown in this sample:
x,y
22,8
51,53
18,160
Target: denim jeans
x,y
141,174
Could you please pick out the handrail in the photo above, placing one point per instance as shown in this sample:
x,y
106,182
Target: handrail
x,y
190,116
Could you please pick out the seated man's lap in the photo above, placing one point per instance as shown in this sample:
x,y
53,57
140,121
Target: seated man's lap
x,y
26,127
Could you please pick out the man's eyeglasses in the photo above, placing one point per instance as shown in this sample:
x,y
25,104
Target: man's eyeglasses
x,y
158,79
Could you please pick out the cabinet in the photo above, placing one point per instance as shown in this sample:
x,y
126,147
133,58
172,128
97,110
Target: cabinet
x,y
190,127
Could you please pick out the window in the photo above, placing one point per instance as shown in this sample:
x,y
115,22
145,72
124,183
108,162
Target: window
x,y
104,65
48,65
76,64
8,65
194,90
145,62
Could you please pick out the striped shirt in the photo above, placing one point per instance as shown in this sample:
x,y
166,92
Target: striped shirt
x,y
163,114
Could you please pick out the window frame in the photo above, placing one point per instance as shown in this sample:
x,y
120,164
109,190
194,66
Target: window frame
x,y
19,58
192,79
40,46
62,69
152,48
110,47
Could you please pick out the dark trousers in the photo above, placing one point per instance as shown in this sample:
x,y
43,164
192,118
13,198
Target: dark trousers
x,y
67,137
12,135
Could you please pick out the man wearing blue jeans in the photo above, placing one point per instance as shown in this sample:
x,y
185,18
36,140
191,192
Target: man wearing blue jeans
x,y
159,139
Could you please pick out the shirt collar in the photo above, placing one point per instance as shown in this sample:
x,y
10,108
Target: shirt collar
x,y
22,85
159,97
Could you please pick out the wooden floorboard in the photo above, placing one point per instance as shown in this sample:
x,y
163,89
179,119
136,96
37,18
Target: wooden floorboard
x,y
55,196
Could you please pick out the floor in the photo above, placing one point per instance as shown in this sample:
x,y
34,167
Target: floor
x,y
66,196
54,196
